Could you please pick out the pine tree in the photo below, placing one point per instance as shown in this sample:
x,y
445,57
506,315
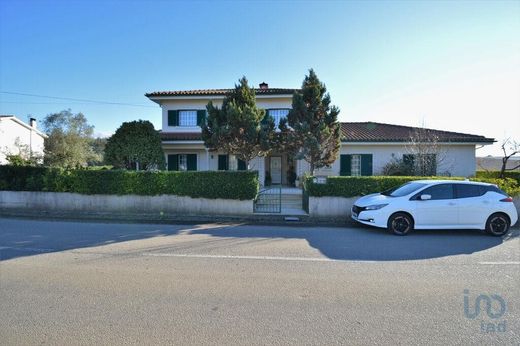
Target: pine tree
x,y
237,127
316,130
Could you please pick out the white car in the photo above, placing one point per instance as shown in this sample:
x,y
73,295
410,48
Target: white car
x,y
438,204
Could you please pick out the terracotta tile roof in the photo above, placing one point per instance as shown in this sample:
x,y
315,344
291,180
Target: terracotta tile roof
x,y
378,132
180,136
365,132
219,92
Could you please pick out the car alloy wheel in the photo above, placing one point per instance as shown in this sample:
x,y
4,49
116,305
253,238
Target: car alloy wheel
x,y
497,225
400,224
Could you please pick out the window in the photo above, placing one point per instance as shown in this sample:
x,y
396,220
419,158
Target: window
x,y
188,118
358,164
278,114
421,164
441,191
469,190
403,190
183,162
355,165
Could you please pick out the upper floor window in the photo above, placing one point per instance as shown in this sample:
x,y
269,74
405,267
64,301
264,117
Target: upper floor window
x,y
187,118
278,114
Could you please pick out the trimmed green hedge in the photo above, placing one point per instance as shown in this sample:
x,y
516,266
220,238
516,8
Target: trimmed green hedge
x,y
360,186
241,185
495,174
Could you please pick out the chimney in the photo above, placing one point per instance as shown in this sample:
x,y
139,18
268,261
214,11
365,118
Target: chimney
x,y
263,86
32,122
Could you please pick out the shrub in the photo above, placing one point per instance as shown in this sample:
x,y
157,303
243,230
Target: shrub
x,y
360,186
241,185
495,175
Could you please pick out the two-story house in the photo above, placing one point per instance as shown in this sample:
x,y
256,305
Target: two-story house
x,y
366,146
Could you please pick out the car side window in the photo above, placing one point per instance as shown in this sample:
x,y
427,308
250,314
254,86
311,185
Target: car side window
x,y
468,190
440,191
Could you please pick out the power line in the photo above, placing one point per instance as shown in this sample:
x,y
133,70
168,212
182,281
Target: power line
x,y
76,100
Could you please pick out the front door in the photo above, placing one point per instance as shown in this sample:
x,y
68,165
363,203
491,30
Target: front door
x,y
276,169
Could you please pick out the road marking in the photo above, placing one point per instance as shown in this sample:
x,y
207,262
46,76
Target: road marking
x,y
270,258
499,263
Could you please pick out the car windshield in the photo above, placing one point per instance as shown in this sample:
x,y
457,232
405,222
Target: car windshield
x,y
403,190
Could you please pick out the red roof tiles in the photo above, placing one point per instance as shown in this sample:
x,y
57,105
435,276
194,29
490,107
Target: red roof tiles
x,y
365,132
219,92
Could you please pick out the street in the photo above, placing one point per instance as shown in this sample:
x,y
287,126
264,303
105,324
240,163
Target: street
x,y
72,283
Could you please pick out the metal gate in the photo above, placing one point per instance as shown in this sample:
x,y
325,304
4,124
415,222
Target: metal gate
x,y
269,200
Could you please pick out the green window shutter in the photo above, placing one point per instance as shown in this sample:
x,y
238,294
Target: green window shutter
x,y
191,161
223,162
173,162
344,164
409,162
173,118
201,117
241,165
366,164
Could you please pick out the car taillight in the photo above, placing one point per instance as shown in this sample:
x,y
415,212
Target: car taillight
x,y
508,199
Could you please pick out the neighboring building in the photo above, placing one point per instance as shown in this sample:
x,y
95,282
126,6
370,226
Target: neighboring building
x,y
15,135
494,163
366,146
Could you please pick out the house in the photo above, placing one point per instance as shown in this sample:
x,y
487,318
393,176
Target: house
x,y
17,137
365,149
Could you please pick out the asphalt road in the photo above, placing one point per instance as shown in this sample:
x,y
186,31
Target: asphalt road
x,y
72,283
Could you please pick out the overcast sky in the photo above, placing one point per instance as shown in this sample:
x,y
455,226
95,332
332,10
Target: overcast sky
x,y
445,65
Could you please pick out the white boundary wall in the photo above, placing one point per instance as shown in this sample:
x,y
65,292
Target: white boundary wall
x,y
57,201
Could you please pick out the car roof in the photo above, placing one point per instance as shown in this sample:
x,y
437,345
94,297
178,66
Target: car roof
x,y
444,181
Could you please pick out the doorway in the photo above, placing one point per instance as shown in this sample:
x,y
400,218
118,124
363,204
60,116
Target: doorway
x,y
276,169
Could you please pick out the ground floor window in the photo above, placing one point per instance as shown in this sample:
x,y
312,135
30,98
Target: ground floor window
x,y
182,162
231,163
421,164
356,165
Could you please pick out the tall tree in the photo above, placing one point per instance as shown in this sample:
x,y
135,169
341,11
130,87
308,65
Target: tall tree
x,y
68,144
135,145
237,127
316,130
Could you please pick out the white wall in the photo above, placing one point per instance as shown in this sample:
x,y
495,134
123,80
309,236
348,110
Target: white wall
x,y
56,201
458,159
10,131
200,103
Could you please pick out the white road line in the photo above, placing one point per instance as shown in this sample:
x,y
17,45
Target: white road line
x,y
270,258
499,263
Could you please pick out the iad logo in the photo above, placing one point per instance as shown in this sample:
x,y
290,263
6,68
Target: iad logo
x,y
494,307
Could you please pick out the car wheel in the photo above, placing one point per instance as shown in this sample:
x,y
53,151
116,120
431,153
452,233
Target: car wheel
x,y
497,224
400,224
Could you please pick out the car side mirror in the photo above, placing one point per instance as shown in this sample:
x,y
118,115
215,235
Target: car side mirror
x,y
425,197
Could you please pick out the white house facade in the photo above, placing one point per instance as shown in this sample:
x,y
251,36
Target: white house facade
x,y
365,149
17,137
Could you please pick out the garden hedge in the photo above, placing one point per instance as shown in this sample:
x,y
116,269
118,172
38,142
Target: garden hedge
x,y
360,186
495,174
241,185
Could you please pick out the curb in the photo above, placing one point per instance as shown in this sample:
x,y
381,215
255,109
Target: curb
x,y
274,220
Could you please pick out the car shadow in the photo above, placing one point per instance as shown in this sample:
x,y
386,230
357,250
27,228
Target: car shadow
x,y
371,244
19,238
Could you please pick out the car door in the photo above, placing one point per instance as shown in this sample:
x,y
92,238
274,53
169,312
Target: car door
x,y
472,203
439,211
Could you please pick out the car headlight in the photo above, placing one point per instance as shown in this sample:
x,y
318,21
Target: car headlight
x,y
375,206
